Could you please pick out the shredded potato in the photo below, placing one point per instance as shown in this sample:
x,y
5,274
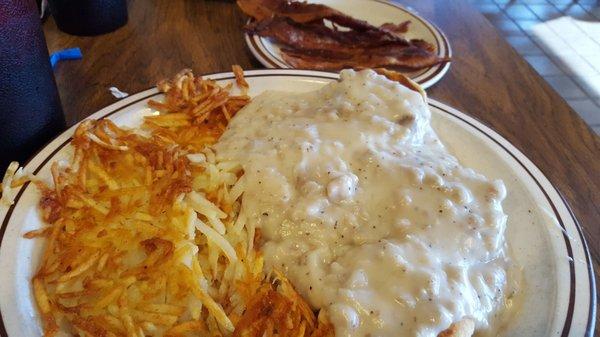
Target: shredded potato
x,y
146,236
195,111
14,177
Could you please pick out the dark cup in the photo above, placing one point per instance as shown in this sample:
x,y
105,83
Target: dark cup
x,y
30,110
88,17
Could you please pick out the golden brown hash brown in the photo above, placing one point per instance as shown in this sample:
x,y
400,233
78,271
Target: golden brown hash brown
x,y
143,237
278,310
195,111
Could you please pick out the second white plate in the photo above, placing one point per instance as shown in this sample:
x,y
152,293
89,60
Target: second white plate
x,y
376,12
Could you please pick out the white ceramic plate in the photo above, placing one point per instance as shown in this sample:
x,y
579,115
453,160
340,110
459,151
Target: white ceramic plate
x,y
376,12
557,292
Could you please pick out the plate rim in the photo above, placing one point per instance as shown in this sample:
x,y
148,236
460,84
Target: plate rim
x,y
540,178
426,77
50,150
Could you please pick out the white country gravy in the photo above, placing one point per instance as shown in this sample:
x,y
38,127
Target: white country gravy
x,y
364,210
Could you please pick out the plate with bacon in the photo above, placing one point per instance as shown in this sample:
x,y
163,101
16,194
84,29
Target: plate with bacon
x,y
338,34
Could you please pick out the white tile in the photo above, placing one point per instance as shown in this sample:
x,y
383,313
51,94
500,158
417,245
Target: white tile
x,y
587,109
544,11
520,12
565,87
583,43
595,12
587,47
561,2
527,25
590,84
574,64
594,61
543,65
507,27
547,39
524,45
565,28
592,29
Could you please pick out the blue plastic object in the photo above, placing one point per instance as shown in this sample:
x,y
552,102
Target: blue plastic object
x,y
65,54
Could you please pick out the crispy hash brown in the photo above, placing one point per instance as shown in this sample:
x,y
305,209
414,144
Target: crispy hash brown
x,y
278,310
143,235
13,177
195,111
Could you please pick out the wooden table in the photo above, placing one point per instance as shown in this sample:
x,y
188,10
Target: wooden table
x,y
487,78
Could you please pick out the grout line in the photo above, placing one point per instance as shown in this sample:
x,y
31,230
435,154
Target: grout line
x,y
559,65
578,86
536,14
588,12
529,37
562,75
568,7
503,10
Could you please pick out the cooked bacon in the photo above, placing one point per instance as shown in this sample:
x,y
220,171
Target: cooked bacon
x,y
318,36
312,44
397,29
315,46
405,81
300,12
408,57
315,14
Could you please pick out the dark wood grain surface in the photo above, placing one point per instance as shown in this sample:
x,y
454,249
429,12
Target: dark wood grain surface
x,y
487,79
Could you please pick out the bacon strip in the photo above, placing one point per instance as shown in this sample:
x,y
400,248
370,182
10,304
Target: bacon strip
x,y
300,12
396,29
410,57
318,36
312,44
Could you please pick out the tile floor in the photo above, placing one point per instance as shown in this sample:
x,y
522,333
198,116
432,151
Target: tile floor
x,y
514,19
